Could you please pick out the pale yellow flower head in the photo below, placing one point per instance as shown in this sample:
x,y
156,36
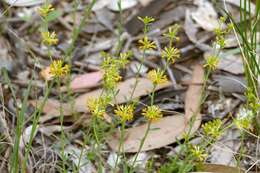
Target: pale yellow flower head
x,y
157,77
125,112
45,10
213,128
58,69
199,153
152,113
171,54
97,106
212,62
49,38
146,44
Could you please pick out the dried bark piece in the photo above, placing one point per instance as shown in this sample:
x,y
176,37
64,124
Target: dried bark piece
x,y
170,128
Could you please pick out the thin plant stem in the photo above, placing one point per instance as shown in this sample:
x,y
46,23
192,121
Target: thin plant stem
x,y
146,131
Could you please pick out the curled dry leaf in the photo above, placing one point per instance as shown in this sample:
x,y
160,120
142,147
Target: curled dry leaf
x,y
26,135
45,74
144,87
79,157
205,15
23,3
169,128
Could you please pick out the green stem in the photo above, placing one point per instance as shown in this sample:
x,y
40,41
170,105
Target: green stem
x,y
147,130
142,143
122,137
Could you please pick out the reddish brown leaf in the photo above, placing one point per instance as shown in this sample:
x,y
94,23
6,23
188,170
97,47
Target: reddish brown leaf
x,y
85,81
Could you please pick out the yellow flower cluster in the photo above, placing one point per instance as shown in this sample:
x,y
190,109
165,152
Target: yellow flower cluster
x,y
212,62
58,69
49,38
171,54
213,128
111,67
152,113
172,33
45,10
125,112
97,107
145,44
199,153
146,20
157,77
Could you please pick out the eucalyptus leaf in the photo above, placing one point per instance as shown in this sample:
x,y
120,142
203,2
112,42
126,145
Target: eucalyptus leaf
x,y
23,3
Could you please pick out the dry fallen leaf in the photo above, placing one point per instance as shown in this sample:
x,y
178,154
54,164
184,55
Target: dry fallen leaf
x,y
79,157
125,4
168,129
223,152
191,29
205,16
22,3
215,168
145,2
125,88
85,81
26,135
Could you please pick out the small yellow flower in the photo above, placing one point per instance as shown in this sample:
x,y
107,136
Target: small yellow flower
x,y
146,20
157,77
125,112
97,107
171,54
213,128
172,32
145,44
49,38
199,153
212,62
111,78
45,10
152,113
58,69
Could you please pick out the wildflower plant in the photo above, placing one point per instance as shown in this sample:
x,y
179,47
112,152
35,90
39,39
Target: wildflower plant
x,y
59,69
152,113
48,38
171,54
198,153
125,112
213,129
157,77
146,44
45,10
212,62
